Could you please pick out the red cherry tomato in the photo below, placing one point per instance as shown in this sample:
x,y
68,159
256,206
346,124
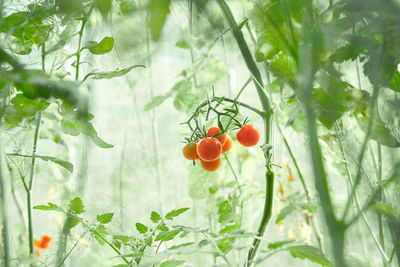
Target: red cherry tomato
x,y
248,135
209,149
211,165
189,151
228,144
215,130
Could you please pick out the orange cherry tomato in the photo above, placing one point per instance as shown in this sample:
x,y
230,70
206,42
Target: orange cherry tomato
x,y
215,130
211,165
189,151
228,144
45,242
209,149
248,135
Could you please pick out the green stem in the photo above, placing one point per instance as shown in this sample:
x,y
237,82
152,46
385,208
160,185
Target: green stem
x,y
317,234
234,174
362,152
269,193
307,70
267,117
217,248
30,185
380,248
80,34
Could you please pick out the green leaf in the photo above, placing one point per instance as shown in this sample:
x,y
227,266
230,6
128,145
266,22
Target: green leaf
x,y
171,263
311,253
104,6
225,211
111,74
104,46
163,227
71,222
284,212
385,209
99,232
173,213
105,218
167,235
155,101
50,206
89,130
141,228
76,205
225,244
279,244
63,163
155,217
159,10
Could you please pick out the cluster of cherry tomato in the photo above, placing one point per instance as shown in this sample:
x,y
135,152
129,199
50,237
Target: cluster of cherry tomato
x,y
209,149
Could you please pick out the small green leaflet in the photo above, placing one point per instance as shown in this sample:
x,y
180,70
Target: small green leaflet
x,y
104,46
105,218
284,212
279,244
155,102
71,222
384,209
311,253
50,206
111,74
155,217
173,213
172,263
141,228
167,235
76,205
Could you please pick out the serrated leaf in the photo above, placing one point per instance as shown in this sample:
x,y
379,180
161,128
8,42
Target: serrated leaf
x,y
141,228
50,206
111,74
311,253
155,217
76,205
171,263
105,218
173,213
385,209
104,46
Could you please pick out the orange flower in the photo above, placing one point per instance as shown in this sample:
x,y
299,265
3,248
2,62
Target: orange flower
x,y
290,174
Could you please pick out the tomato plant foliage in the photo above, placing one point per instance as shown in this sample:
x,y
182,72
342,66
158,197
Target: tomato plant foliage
x,y
289,113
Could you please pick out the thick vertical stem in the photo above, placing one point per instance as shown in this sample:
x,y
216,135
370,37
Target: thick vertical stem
x,y
267,110
307,70
269,193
